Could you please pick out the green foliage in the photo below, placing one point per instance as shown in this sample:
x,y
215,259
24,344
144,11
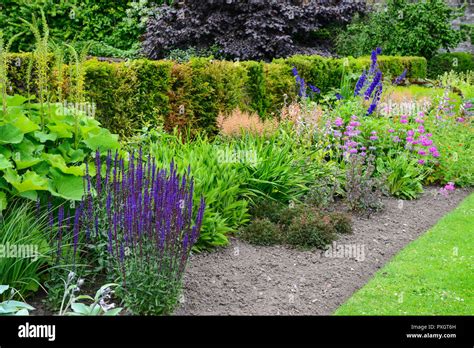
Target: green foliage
x,y
446,62
129,95
279,171
310,229
456,163
461,82
148,292
99,306
256,88
24,247
407,28
403,176
267,209
297,225
362,190
341,222
113,30
12,307
42,147
215,178
326,187
261,232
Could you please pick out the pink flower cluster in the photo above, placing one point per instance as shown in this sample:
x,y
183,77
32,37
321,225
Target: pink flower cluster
x,y
417,139
449,187
349,136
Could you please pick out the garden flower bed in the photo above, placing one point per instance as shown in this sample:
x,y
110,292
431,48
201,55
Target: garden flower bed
x,y
123,215
244,279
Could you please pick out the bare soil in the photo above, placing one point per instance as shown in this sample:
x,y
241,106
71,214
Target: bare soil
x,y
244,279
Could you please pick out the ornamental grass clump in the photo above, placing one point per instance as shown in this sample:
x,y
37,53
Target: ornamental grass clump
x,y
146,218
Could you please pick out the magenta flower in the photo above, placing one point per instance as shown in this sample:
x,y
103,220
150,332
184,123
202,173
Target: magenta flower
x,y
403,120
421,161
449,186
460,120
409,139
373,137
396,139
435,154
338,122
426,142
422,153
354,124
433,149
411,132
429,135
419,120
353,151
391,130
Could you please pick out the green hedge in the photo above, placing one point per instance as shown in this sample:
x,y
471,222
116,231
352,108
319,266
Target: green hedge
x,y
132,93
445,62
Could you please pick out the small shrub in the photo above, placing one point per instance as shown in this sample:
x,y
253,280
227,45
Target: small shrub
x,y
269,209
309,229
341,222
261,231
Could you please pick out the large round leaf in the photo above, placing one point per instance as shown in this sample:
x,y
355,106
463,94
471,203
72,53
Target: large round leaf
x,y
4,162
9,134
30,181
66,186
57,161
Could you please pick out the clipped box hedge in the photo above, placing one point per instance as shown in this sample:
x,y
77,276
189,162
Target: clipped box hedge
x,y
130,94
445,62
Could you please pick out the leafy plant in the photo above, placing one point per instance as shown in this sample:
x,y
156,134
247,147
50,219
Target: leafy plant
x,y
113,30
99,306
404,177
363,191
24,247
33,159
12,307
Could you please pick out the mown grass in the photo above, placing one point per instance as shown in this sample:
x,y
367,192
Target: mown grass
x,y
434,275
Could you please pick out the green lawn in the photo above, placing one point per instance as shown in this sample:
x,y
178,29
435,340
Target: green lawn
x,y
433,275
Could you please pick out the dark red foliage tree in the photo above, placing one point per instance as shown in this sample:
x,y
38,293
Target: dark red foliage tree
x,y
245,29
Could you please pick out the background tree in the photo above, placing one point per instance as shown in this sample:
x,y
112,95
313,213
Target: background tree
x,y
403,27
248,29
